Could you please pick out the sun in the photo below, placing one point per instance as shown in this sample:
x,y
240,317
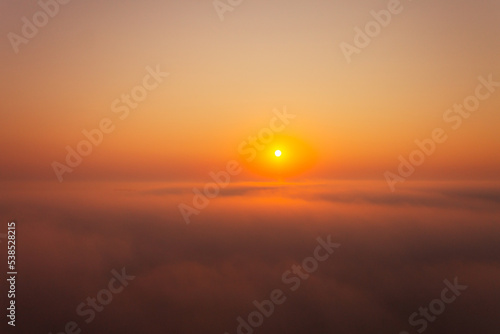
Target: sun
x,y
283,158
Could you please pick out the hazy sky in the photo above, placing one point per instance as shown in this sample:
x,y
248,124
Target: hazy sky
x,y
227,76
168,92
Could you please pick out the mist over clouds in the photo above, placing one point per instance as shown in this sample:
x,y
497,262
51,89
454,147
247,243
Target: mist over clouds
x,y
396,251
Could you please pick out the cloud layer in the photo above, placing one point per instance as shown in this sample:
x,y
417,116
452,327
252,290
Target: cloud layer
x,y
397,249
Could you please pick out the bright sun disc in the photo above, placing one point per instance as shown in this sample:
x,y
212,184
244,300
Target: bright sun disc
x,y
277,153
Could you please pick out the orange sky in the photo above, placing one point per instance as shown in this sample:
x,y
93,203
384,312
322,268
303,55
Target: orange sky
x,y
226,78
171,117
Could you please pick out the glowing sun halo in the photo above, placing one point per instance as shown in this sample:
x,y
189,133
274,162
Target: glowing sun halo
x,y
277,153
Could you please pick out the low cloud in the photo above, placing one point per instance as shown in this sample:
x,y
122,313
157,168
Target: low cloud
x,y
396,251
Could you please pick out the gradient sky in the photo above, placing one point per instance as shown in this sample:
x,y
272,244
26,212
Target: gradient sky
x,y
227,80
227,77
